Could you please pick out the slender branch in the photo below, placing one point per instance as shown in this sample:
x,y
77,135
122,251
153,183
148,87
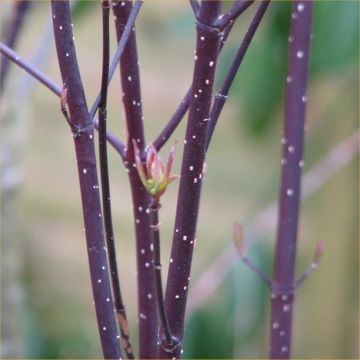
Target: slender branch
x,y
86,161
155,226
14,57
56,89
237,8
105,189
283,286
264,222
207,50
130,83
184,106
20,9
120,49
222,95
195,6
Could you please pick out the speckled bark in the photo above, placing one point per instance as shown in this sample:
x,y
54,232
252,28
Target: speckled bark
x,y
130,82
207,49
292,153
86,162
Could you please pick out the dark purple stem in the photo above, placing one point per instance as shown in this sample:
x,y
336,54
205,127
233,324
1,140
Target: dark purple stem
x,y
105,189
207,50
195,6
130,82
120,49
222,95
20,9
86,161
283,286
237,8
183,107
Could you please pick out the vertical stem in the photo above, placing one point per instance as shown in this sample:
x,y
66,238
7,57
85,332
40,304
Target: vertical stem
x,y
155,207
207,49
105,189
292,153
86,161
130,82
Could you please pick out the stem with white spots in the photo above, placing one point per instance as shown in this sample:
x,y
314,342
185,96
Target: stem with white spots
x,y
86,161
207,51
130,83
283,284
105,189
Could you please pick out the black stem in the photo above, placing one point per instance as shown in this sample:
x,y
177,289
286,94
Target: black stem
x,y
283,284
120,49
105,190
155,226
86,162
222,95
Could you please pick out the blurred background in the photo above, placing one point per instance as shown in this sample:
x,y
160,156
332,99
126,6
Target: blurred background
x,y
47,309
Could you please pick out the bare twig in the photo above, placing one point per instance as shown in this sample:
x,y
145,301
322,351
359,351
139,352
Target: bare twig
x,y
222,95
237,8
56,89
120,49
20,9
265,221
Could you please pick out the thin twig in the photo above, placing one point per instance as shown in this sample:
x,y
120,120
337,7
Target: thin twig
x,y
56,89
195,6
130,83
120,49
86,162
222,95
105,189
237,8
20,9
207,51
265,221
155,227
184,105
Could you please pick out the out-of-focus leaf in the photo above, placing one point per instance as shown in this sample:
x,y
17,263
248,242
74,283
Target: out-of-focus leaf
x,y
235,314
81,8
260,81
336,35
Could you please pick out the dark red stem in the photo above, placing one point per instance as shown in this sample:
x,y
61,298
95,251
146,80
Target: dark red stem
x,y
130,82
283,287
237,8
86,161
207,50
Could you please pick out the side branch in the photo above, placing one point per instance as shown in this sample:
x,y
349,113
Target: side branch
x,y
222,95
238,7
56,89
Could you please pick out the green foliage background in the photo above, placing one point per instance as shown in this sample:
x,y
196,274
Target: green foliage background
x,y
242,178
